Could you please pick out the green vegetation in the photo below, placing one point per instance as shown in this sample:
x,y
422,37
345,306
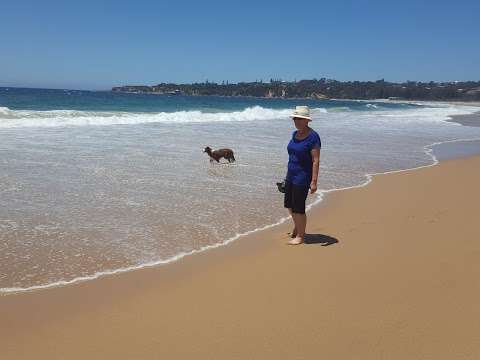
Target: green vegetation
x,y
322,89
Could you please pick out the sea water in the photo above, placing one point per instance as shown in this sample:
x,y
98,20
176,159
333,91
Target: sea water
x,y
93,183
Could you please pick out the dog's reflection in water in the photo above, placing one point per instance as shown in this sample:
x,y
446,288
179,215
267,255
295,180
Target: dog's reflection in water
x,y
223,171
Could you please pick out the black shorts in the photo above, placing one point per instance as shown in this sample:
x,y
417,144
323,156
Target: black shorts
x,y
295,196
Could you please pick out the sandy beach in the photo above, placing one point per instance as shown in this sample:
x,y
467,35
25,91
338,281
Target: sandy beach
x,y
390,271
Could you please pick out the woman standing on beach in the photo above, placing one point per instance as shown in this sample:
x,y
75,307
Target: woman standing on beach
x,y
303,163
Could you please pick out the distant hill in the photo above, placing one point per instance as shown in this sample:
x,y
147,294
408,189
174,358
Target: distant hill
x,y
322,89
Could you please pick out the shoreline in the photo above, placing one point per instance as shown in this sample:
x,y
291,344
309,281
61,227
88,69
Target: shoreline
x,y
234,300
467,119
428,149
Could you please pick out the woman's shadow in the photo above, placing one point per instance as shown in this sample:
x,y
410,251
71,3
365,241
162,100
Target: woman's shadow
x,y
323,240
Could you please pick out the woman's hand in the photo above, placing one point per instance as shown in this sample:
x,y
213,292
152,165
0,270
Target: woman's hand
x,y
313,187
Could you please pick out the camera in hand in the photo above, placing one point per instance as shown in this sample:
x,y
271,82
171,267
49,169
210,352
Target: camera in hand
x,y
281,186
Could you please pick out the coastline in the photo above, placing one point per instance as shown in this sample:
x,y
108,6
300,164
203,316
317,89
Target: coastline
x,y
235,301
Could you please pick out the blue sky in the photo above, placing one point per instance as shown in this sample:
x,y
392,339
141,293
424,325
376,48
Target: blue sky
x,y
98,44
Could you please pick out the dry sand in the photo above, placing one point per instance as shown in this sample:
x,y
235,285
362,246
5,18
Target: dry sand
x,y
401,282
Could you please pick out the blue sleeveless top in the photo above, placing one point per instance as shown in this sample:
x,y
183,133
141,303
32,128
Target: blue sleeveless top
x,y
300,158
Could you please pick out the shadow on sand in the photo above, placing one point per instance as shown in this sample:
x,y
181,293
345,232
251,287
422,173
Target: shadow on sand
x,y
323,240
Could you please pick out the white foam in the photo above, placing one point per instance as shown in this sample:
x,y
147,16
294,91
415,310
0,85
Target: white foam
x,y
4,111
54,118
420,115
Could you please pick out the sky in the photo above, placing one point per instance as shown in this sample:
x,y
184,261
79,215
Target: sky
x,y
99,44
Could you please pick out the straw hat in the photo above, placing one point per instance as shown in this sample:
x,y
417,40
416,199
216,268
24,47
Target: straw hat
x,y
302,112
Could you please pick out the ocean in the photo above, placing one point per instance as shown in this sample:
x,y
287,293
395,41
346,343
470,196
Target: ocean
x,y
96,183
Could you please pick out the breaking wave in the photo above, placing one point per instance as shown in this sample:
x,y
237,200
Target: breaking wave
x,y
54,118
67,118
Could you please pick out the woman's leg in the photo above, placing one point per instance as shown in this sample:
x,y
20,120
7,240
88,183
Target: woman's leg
x,y
300,221
288,204
299,195
295,197
292,234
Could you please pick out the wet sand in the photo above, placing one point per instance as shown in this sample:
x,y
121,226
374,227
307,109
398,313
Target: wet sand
x,y
391,271
467,120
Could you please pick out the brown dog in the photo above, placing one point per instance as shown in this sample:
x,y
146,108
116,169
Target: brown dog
x,y
218,154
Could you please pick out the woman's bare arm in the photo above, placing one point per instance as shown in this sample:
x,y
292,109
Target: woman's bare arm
x,y
315,166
